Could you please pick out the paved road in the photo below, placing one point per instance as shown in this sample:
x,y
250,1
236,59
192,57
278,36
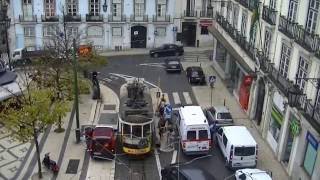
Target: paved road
x,y
178,91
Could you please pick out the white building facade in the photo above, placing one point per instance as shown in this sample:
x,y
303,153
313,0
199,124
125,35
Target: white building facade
x,y
106,24
262,56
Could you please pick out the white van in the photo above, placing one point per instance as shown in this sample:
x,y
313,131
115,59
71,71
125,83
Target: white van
x,y
194,130
238,146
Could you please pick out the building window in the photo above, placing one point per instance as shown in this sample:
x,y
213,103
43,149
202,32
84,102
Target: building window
x,y
229,11
284,60
273,4
244,24
139,8
117,31
292,12
49,31
72,31
312,16
235,16
29,31
161,31
204,29
275,123
161,8
50,8
116,8
72,7
27,8
267,43
94,7
95,31
311,154
302,72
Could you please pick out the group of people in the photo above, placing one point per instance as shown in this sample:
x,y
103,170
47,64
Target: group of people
x,y
165,114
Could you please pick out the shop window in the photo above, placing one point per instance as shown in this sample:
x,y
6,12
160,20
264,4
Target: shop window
x,y
95,31
275,123
311,154
204,29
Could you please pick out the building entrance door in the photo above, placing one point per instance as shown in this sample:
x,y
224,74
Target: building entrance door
x,y
138,37
189,33
260,101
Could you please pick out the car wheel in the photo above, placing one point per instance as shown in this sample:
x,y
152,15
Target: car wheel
x,y
155,55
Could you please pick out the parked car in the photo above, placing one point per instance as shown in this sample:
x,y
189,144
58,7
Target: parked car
x,y
167,50
173,65
185,172
195,75
252,174
219,115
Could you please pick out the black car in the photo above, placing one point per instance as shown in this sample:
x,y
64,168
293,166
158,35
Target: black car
x,y
173,65
185,172
167,50
195,75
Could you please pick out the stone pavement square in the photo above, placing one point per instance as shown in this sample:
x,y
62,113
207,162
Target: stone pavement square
x,y
20,150
10,170
6,158
9,142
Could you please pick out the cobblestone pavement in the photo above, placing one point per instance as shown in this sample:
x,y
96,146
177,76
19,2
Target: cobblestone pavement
x,y
12,154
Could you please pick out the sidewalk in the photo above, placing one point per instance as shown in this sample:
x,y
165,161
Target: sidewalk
x,y
220,94
144,51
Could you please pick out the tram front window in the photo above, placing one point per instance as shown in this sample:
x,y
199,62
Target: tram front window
x,y
136,131
146,130
126,130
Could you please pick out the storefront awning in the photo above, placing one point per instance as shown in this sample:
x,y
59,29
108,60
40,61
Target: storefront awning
x,y
213,30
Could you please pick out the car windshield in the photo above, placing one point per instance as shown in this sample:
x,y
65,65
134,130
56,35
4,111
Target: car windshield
x,y
225,115
244,151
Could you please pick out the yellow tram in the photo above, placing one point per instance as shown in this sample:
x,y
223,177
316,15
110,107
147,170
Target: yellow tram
x,y
136,118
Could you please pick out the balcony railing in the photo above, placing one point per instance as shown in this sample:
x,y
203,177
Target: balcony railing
x,y
269,15
120,18
94,18
32,18
250,4
190,13
309,111
136,18
45,18
287,27
72,18
165,18
206,14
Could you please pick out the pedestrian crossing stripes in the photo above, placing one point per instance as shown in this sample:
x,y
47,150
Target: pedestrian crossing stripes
x,y
187,98
196,57
176,98
179,98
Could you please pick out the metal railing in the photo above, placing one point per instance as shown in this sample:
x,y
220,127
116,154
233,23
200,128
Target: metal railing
x,y
311,113
190,13
45,18
269,15
94,18
206,14
32,18
136,18
165,18
121,18
287,27
72,18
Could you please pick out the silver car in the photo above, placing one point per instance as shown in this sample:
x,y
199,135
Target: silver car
x,y
219,115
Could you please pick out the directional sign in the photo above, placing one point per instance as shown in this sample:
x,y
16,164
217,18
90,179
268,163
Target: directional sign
x,y
212,79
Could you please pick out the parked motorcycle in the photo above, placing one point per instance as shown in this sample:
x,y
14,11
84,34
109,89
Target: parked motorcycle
x,y
50,164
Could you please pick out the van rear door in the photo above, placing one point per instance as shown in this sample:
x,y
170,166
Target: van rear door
x,y
198,140
244,156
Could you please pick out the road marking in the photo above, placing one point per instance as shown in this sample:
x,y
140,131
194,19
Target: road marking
x,y
107,79
114,77
187,97
127,77
156,154
176,98
174,157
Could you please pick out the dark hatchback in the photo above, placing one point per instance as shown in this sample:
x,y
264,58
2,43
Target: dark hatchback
x,y
167,50
195,75
173,65
185,172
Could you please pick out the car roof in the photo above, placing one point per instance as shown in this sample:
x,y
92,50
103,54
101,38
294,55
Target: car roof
x,y
195,68
102,131
221,109
193,172
193,115
255,174
239,136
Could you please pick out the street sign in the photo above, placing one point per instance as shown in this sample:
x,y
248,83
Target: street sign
x,y
212,79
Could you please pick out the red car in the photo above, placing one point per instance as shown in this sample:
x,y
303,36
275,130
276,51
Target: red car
x,y
103,142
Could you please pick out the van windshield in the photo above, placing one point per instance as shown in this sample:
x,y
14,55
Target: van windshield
x,y
191,135
224,116
244,151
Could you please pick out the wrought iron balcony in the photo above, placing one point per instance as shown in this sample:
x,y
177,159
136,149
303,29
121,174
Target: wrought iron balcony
x,y
190,13
287,27
136,18
309,111
206,14
250,4
45,18
120,18
32,18
307,40
94,18
165,18
72,18
269,15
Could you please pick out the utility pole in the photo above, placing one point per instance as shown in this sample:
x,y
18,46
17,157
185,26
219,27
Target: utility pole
x,y
76,91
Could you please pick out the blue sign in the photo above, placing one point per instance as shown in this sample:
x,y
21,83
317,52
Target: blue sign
x,y
212,79
167,111
312,140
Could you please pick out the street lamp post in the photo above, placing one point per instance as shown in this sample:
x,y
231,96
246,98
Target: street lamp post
x,y
6,23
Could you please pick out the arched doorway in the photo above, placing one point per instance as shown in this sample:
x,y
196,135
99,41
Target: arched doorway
x,y
260,101
138,37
